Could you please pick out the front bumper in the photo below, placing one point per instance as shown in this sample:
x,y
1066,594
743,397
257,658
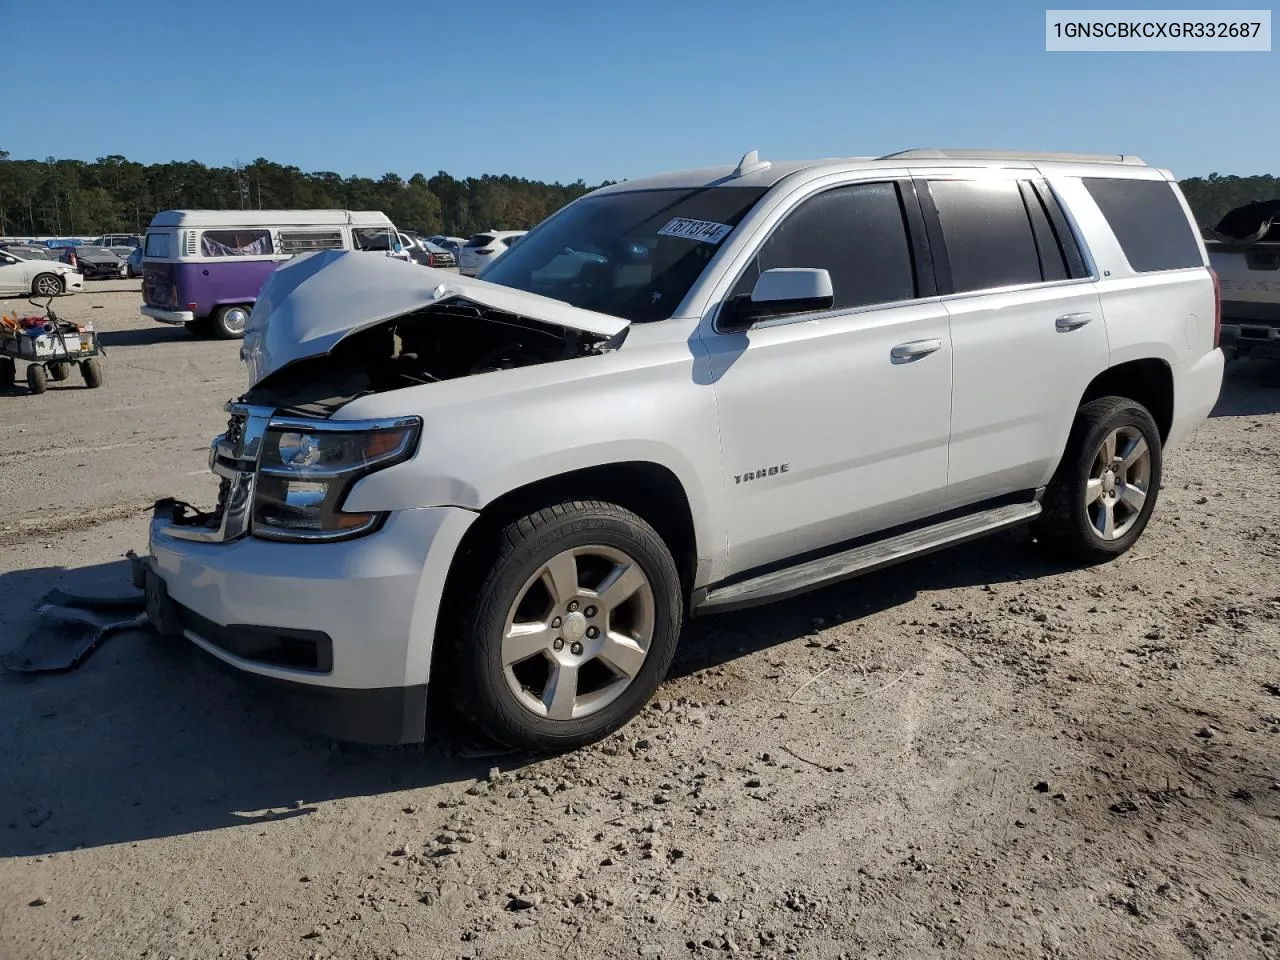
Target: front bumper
x,y
168,316
343,630
72,282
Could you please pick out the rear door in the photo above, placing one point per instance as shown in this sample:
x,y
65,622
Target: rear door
x,y
1027,330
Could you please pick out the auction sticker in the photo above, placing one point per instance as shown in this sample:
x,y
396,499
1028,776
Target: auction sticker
x,y
706,231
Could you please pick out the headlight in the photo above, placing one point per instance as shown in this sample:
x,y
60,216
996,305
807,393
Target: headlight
x,y
308,467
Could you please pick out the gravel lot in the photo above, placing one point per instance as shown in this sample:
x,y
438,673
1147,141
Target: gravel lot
x,y
979,754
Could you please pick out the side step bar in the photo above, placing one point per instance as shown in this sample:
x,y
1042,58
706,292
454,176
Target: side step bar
x,y
870,556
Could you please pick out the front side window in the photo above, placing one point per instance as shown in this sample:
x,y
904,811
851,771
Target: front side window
x,y
633,255
987,232
1149,222
371,238
235,243
856,233
159,246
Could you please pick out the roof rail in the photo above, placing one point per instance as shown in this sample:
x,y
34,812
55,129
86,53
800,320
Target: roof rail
x,y
933,154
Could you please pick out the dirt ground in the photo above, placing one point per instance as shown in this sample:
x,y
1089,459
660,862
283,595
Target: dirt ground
x,y
975,755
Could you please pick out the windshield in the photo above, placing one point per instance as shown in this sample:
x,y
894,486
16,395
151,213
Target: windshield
x,y
630,255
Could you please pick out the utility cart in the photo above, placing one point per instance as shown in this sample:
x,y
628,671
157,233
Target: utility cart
x,y
51,347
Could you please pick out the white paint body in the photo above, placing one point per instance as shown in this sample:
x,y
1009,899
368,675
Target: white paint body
x,y
867,442
17,274
472,260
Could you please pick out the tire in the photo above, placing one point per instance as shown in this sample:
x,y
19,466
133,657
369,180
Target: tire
x,y
92,372
1087,487
36,379
228,322
514,704
8,373
46,285
59,371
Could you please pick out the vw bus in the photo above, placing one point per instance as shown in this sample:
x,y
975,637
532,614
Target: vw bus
x,y
204,268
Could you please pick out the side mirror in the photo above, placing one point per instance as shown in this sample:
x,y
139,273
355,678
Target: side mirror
x,y
778,292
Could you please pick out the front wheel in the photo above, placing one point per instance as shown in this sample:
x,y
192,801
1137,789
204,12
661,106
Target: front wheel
x,y
37,382
228,323
46,285
1100,500
91,370
59,371
570,631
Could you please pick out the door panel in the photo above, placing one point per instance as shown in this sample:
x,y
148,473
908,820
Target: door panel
x,y
1022,361
825,434
15,277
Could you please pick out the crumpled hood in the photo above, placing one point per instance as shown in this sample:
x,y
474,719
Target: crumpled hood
x,y
311,302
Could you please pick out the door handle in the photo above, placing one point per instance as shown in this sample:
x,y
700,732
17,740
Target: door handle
x,y
1072,321
906,352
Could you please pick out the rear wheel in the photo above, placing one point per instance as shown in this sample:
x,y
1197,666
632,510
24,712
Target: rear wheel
x,y
571,629
1101,498
36,380
46,285
8,373
228,323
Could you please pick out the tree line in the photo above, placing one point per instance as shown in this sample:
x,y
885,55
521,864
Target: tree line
x,y
116,195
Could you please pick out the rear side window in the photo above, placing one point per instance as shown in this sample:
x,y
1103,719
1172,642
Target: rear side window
x,y
856,233
235,243
159,245
1149,222
304,241
987,233
480,240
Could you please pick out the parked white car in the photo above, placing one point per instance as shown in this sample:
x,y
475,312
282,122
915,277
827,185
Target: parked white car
x,y
484,248
40,277
678,396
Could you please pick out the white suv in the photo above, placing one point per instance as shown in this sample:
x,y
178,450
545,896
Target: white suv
x,y
677,396
482,249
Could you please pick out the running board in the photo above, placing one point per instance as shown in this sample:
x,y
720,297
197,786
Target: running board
x,y
858,560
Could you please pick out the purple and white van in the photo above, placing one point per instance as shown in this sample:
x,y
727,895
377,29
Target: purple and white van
x,y
204,268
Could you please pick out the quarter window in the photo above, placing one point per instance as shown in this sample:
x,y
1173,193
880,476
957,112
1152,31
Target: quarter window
x,y
235,243
987,234
856,233
1149,222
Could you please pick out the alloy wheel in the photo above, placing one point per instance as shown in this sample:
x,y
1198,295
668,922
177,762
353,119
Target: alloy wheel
x,y
578,632
1118,484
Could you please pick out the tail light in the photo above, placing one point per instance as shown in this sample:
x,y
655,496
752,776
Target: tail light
x,y
431,260
1217,308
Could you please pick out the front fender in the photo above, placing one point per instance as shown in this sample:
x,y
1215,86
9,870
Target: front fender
x,y
485,436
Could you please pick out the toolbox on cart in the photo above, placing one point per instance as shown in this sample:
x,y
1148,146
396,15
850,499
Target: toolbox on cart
x,y
51,347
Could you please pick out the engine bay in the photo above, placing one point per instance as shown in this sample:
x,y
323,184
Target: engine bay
x,y
440,342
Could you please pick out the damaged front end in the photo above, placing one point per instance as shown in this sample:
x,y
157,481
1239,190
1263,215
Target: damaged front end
x,y
332,328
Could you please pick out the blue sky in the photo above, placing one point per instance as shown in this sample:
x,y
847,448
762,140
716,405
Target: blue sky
x,y
562,90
